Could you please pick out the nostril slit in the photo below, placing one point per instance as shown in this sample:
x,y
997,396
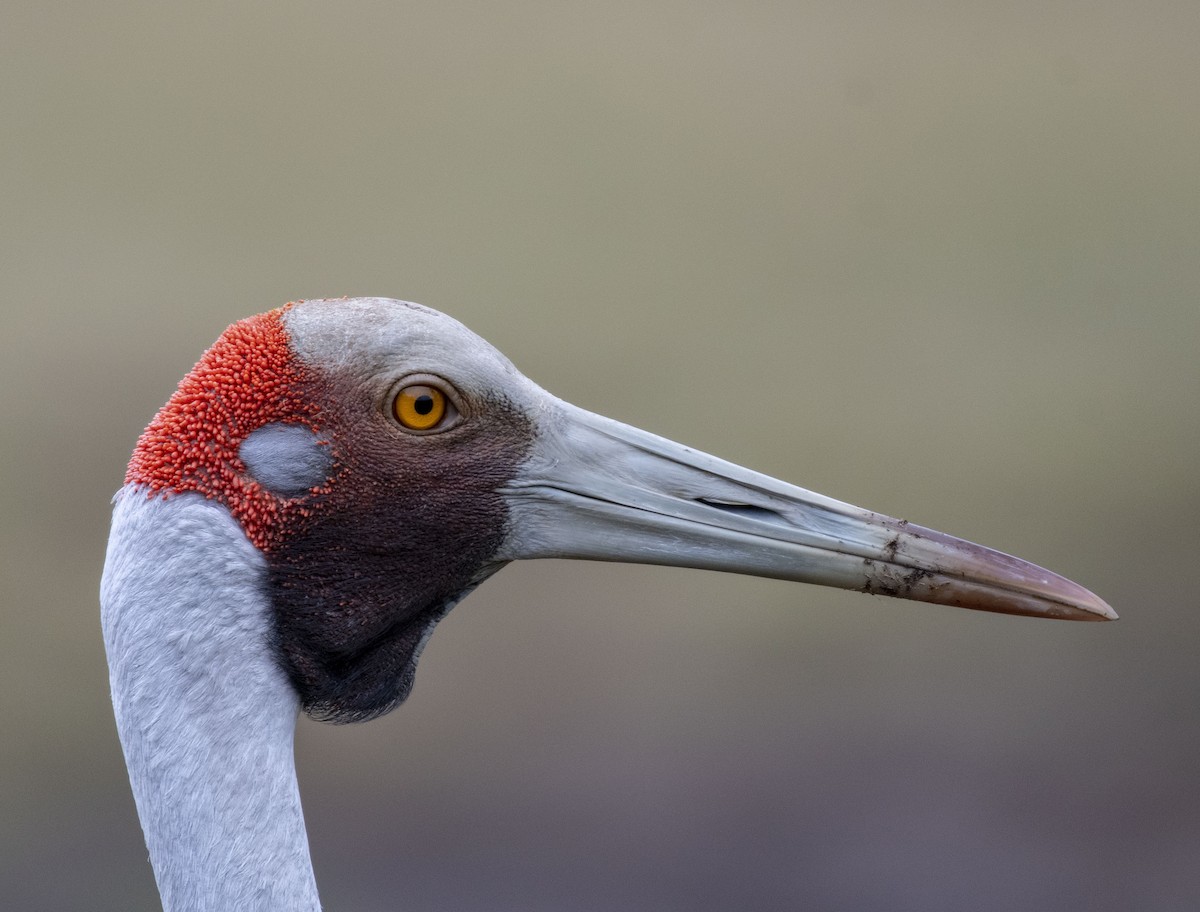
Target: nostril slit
x,y
739,509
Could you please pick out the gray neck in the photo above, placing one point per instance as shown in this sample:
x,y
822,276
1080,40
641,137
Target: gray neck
x,y
205,714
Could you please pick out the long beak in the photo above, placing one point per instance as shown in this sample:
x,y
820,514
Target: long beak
x,y
597,489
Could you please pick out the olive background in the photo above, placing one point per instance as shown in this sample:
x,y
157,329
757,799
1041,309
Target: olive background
x,y
936,259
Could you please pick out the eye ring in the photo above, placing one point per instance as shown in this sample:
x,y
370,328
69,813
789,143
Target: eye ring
x,y
423,405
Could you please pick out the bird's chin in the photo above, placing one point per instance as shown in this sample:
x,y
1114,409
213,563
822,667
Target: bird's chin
x,y
371,681
377,677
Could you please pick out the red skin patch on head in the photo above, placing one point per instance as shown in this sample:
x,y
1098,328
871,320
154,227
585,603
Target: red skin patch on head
x,y
247,379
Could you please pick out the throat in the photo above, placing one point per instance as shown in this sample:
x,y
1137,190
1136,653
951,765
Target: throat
x,y
351,649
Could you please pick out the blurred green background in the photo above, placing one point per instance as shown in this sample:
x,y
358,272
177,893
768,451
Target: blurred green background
x,y
937,259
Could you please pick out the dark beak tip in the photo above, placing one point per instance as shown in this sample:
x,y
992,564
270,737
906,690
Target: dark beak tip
x,y
1076,613
1094,609
1107,615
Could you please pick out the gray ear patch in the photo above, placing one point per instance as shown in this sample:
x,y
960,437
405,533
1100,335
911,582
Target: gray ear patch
x,y
286,459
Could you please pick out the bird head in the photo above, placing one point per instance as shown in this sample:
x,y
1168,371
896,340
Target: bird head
x,y
385,460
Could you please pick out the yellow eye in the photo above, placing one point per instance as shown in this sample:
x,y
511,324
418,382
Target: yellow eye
x,y
420,407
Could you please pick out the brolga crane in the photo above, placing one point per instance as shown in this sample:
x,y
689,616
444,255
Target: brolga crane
x,y
328,481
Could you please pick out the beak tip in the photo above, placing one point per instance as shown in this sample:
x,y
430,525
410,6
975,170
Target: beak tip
x,y
1087,606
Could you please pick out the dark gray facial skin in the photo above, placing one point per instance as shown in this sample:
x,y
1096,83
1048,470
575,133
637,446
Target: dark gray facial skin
x,y
408,526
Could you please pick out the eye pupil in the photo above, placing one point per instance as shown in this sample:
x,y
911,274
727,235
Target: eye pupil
x,y
423,405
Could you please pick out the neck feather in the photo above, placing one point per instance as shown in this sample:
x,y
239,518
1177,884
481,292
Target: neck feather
x,y
206,716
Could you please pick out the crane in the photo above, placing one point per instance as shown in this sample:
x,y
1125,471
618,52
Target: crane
x,y
328,481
